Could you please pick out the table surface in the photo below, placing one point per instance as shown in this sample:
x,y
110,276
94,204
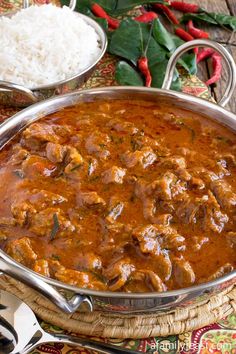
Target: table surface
x,y
222,36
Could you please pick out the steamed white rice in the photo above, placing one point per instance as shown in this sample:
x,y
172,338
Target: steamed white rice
x,y
44,44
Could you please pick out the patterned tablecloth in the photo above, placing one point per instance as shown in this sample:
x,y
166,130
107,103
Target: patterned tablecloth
x,y
218,338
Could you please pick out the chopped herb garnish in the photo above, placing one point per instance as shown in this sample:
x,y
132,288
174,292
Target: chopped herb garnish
x,y
192,131
94,178
19,173
56,257
98,276
55,228
224,139
132,197
76,167
102,145
134,144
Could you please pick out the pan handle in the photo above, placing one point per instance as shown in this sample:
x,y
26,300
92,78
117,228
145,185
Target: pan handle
x,y
25,92
72,4
17,271
230,65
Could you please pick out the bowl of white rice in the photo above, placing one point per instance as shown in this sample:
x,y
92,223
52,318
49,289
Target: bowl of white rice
x,y
45,51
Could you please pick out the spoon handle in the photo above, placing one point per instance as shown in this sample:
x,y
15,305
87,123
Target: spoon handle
x,y
100,347
93,345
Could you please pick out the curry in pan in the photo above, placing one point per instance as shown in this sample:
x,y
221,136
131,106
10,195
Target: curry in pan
x,y
122,196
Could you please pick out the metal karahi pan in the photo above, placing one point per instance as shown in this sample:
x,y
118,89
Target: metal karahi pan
x,y
12,94
68,298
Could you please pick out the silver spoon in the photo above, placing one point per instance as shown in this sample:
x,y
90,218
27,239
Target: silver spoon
x,y
20,331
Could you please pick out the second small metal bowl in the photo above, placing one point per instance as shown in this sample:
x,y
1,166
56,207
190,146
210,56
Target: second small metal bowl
x,y
12,94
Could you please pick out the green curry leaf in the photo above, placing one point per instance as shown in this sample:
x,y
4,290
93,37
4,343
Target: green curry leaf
x,y
158,72
212,18
126,75
162,36
130,39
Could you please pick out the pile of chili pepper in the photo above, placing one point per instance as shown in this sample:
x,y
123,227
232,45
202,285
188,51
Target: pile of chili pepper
x,y
190,34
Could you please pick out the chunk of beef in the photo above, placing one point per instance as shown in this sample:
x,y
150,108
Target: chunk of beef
x,y
163,219
152,281
213,218
115,209
224,194
113,175
18,155
187,210
90,199
21,210
41,199
174,162
190,154
183,273
206,175
3,235
197,183
143,158
41,266
7,221
147,238
198,241
164,265
183,174
73,159
223,270
122,126
80,279
55,152
149,208
167,187
43,223
41,132
229,158
21,250
34,166
55,266
222,169
89,261
156,238
97,143
206,209
118,273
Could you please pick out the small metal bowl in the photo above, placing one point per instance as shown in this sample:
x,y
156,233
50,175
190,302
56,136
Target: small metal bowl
x,y
12,94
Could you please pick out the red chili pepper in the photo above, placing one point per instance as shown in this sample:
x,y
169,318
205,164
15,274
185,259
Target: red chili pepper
x,y
204,54
146,17
196,32
100,12
143,67
181,33
167,12
217,69
184,6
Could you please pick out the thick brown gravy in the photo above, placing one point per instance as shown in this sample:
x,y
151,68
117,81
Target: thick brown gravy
x,y
122,196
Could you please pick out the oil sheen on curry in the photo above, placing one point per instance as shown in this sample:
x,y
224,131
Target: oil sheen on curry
x,y
121,196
